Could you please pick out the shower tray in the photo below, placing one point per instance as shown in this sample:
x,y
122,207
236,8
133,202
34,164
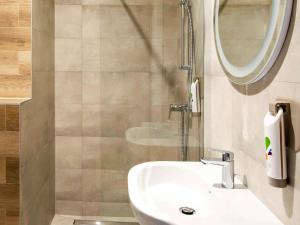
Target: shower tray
x,y
95,222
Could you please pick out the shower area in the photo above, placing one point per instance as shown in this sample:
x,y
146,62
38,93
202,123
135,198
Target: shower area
x,y
116,75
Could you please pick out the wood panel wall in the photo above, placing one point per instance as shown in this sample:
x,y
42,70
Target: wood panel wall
x,y
15,48
9,165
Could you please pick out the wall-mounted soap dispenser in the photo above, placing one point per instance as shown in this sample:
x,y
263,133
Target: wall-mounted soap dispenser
x,y
275,144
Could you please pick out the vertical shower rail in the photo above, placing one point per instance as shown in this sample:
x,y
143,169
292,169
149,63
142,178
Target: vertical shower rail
x,y
186,11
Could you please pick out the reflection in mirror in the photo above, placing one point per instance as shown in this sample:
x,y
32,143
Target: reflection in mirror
x,y
249,36
243,26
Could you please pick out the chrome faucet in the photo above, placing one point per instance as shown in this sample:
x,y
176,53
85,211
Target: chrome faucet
x,y
227,162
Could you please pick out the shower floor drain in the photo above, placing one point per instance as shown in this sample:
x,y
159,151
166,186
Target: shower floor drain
x,y
187,211
94,222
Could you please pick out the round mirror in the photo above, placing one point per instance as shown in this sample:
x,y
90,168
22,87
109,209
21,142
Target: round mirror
x,y
249,35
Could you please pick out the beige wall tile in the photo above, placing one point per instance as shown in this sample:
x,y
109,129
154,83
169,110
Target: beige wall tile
x,y
90,22
68,54
125,55
107,209
138,154
91,121
125,88
91,88
68,152
114,153
290,66
126,2
221,109
92,187
162,87
68,87
156,55
68,21
171,51
68,207
114,186
68,184
165,153
170,21
68,121
133,22
116,119
91,154
91,55
157,21
67,2
105,153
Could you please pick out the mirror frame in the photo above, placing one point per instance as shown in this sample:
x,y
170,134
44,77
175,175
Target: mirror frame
x,y
268,53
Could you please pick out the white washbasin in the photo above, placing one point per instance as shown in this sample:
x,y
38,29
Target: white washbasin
x,y
157,190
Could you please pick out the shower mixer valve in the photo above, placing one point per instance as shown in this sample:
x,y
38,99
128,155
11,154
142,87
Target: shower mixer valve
x,y
177,108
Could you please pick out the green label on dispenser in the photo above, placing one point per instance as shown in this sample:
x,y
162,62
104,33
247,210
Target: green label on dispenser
x,y
267,142
268,148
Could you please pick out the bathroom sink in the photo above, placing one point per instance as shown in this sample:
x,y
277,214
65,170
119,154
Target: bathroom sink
x,y
158,191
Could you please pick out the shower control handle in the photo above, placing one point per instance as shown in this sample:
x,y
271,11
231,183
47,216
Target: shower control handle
x,y
177,108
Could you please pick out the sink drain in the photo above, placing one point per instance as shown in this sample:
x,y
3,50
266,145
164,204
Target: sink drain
x,y
187,211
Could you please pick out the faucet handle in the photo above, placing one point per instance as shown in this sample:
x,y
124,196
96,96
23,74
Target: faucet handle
x,y
227,156
171,109
177,108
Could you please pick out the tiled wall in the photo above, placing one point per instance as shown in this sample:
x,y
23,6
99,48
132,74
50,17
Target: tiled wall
x,y
116,67
15,48
37,123
9,165
234,119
